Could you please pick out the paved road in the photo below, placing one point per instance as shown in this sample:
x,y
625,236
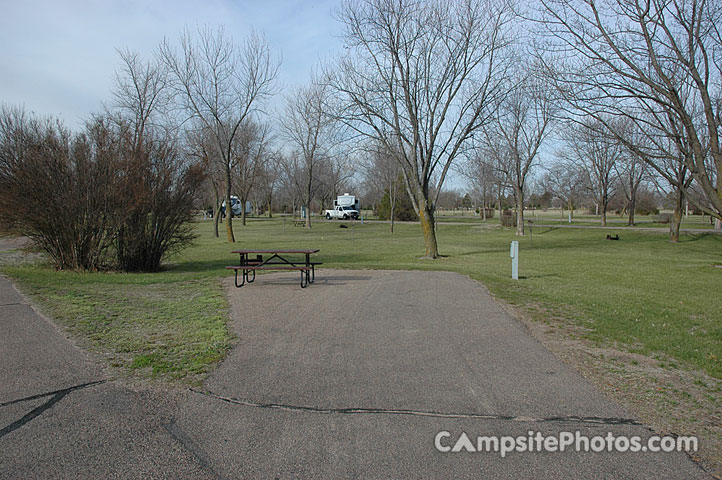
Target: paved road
x,y
352,377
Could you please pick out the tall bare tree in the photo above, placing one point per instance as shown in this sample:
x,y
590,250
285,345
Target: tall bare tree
x,y
311,128
268,181
221,85
566,181
645,60
595,154
515,136
251,154
631,170
420,78
140,97
381,170
335,175
201,145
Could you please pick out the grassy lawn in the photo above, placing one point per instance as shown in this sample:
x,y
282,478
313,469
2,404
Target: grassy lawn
x,y
653,297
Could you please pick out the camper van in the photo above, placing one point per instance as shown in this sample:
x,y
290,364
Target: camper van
x,y
235,207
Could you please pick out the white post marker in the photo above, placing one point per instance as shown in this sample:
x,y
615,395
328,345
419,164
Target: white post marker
x,y
514,254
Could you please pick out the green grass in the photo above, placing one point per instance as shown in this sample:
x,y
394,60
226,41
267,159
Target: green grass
x,y
147,323
641,292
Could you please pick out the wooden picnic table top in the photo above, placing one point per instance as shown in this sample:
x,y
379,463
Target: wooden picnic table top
x,y
274,251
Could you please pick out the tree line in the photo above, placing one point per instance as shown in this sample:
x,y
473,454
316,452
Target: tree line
x,y
616,94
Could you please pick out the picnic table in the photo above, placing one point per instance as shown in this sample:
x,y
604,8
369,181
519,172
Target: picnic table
x,y
275,259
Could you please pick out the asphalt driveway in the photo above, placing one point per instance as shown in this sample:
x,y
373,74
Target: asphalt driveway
x,y
355,376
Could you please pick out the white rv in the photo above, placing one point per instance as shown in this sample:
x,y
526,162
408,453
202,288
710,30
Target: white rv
x,y
345,207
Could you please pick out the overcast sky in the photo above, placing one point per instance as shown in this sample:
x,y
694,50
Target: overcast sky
x,y
58,57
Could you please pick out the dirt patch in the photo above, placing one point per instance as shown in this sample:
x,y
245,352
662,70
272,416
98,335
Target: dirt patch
x,y
14,243
672,399
16,251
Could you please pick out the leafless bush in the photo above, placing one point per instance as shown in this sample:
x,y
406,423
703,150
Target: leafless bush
x,y
159,209
92,198
58,189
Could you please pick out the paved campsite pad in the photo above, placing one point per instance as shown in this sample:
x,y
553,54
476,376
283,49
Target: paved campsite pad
x,y
354,377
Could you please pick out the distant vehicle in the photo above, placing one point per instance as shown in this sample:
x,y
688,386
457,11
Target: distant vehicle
x,y
345,207
235,207
344,213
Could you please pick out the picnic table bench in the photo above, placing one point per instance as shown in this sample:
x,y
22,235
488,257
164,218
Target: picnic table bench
x,y
276,260
299,223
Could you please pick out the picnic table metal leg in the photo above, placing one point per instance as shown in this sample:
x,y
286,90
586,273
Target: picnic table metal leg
x,y
243,278
308,272
247,278
304,279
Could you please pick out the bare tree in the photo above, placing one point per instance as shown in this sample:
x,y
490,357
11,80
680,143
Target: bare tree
x,y
483,177
382,171
420,78
673,166
631,170
566,181
221,85
514,138
140,97
646,61
335,174
201,145
595,154
268,181
251,153
309,126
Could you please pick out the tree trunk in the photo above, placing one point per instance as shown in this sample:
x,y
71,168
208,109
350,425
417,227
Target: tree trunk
x,y
428,225
217,217
674,227
229,208
217,210
604,212
243,211
308,198
570,208
393,204
519,211
632,206
270,205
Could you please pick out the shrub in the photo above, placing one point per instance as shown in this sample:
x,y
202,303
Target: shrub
x,y
489,212
647,202
60,190
508,219
664,218
157,221
403,208
96,199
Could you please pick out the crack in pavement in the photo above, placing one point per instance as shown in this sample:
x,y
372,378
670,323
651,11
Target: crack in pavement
x,y
11,304
422,413
55,397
